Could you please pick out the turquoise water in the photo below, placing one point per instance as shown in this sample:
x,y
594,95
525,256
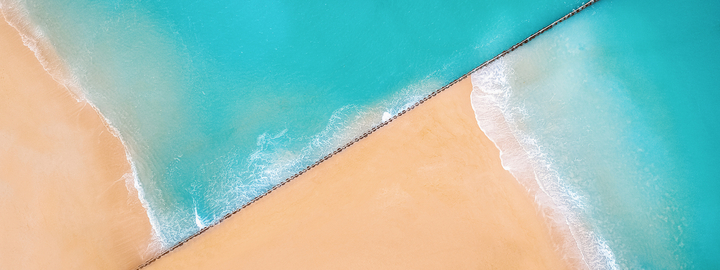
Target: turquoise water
x,y
612,118
217,101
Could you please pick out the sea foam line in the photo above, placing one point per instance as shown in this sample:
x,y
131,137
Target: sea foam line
x,y
373,129
17,16
33,38
520,153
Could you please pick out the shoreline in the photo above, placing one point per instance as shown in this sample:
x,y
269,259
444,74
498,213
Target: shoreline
x,y
426,191
465,76
67,181
16,16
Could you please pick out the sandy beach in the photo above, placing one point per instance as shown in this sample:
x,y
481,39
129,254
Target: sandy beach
x,y
425,192
64,203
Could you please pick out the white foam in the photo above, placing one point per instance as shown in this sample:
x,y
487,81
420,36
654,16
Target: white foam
x,y
33,37
198,221
277,155
386,116
501,118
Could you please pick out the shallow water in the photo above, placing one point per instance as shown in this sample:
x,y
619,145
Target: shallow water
x,y
218,101
612,118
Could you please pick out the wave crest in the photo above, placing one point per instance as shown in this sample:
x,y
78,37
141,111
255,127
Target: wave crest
x,y
502,119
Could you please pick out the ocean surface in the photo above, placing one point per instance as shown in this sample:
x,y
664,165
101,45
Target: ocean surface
x,y
613,113
217,101
612,117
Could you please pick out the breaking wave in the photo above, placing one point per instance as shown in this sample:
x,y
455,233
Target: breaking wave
x,y
503,120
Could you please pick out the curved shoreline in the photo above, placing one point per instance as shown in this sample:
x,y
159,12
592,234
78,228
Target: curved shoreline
x,y
66,181
426,192
340,149
55,67
373,129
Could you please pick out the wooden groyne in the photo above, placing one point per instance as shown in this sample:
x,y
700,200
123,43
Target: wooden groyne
x,y
373,129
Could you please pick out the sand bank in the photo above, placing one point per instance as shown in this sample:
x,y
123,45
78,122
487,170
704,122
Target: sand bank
x,y
64,203
425,192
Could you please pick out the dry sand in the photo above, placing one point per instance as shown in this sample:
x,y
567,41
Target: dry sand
x,y
425,192
63,199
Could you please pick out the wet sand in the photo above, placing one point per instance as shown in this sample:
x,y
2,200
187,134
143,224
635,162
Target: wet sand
x,y
425,192
64,203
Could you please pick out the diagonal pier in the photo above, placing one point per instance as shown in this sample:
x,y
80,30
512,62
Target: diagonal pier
x,y
373,129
